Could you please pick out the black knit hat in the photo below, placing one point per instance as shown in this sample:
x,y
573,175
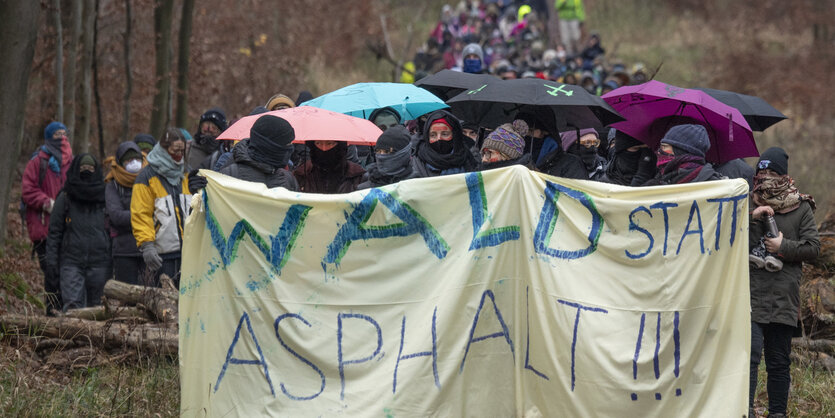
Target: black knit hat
x,y
689,138
214,115
623,141
396,138
774,158
269,129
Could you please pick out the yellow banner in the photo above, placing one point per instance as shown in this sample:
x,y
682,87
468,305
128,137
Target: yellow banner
x,y
502,293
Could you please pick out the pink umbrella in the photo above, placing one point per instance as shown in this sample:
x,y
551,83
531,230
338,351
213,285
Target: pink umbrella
x,y
653,107
313,124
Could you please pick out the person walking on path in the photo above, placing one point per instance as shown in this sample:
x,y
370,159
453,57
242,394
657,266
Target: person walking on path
x,y
43,178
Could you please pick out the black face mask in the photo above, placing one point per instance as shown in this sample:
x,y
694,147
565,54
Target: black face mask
x,y
588,155
330,158
627,162
86,176
442,147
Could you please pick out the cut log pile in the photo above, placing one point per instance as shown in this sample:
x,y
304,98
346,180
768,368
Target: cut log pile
x,y
133,321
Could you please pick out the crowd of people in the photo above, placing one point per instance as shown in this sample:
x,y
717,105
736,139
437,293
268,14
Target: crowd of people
x,y
124,217
510,40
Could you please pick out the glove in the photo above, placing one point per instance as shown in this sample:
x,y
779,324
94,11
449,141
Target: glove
x,y
196,182
48,207
151,256
646,168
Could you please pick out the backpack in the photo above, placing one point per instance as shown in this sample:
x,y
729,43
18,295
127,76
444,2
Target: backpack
x,y
41,174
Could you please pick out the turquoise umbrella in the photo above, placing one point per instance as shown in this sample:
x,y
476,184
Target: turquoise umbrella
x,y
363,98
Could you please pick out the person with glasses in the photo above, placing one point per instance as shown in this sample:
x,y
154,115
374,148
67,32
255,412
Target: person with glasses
x,y
680,158
505,146
159,206
584,143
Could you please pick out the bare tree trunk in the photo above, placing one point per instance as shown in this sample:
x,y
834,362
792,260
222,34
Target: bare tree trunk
x,y
183,55
128,75
71,87
96,94
85,111
59,62
163,15
17,41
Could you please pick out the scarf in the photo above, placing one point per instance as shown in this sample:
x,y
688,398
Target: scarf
x,y
54,157
391,168
680,170
268,153
117,172
779,192
165,166
87,189
459,158
623,167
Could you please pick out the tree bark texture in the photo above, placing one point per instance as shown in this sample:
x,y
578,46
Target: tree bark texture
x,y
59,62
71,85
17,41
128,74
183,56
163,15
86,109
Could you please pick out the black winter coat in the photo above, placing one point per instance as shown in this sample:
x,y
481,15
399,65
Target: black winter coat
x,y
245,168
78,234
562,164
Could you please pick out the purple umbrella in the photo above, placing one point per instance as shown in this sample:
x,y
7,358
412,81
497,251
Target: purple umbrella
x,y
652,108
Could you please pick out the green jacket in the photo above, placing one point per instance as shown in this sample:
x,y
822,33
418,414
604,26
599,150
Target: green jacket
x,y
570,10
775,297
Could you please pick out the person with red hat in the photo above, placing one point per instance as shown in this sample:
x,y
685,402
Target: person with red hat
x,y
441,150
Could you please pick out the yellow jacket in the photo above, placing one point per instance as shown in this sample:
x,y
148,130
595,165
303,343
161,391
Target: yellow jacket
x,y
154,215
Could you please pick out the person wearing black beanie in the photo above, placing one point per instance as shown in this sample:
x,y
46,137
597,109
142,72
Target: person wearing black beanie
x,y
328,169
263,157
393,159
632,162
680,157
775,285
212,123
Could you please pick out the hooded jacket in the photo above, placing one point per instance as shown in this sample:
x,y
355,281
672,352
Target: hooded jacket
x,y
118,211
245,168
78,232
37,194
555,161
429,163
158,211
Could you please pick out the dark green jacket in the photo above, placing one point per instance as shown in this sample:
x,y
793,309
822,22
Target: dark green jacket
x,y
775,297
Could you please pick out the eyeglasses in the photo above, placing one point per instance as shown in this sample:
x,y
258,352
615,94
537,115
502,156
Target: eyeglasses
x,y
588,143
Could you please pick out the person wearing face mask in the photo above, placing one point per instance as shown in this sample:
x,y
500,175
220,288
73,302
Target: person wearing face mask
x,y
212,123
79,242
680,157
547,154
393,159
442,150
775,295
159,205
586,148
43,178
505,146
383,118
263,157
473,59
632,163
328,170
128,162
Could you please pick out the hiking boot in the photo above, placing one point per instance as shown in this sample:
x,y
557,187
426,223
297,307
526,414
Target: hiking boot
x,y
773,264
752,413
776,415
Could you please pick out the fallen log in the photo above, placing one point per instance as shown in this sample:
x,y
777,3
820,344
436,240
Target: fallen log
x,y
150,339
823,346
95,313
161,303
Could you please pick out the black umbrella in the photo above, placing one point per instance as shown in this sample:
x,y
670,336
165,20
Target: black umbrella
x,y
446,84
756,111
559,106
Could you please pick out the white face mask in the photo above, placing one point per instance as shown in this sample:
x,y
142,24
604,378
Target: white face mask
x,y
133,166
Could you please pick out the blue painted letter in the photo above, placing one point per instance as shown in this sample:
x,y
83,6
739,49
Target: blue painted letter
x,y
478,204
548,219
433,353
503,333
298,356
233,360
342,363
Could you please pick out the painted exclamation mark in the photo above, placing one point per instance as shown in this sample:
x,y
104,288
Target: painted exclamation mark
x,y
637,353
677,352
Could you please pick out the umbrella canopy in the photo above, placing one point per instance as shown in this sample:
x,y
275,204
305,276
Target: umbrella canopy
x,y
756,111
447,84
363,98
313,124
559,106
653,107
